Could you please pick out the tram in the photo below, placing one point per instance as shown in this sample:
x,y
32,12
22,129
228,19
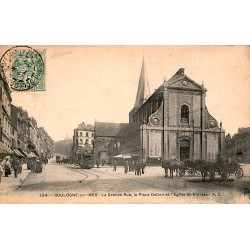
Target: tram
x,y
86,161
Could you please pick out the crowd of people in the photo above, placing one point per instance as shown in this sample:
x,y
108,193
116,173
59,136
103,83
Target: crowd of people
x,y
11,164
131,166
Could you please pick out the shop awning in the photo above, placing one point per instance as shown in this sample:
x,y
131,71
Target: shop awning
x,y
118,156
124,156
23,151
32,155
4,149
17,152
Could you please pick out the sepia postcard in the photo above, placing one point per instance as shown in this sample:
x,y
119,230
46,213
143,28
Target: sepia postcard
x,y
125,124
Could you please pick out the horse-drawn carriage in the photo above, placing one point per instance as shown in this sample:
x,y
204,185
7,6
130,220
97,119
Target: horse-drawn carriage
x,y
212,169
204,168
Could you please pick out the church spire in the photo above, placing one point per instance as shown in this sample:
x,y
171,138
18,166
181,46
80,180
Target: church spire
x,y
143,91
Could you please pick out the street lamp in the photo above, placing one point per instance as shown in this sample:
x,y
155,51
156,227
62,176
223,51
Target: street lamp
x,y
220,141
143,123
193,140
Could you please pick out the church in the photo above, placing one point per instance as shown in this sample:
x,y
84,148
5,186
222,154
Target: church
x,y
173,122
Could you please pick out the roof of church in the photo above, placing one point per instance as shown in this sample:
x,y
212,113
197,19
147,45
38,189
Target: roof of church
x,y
110,129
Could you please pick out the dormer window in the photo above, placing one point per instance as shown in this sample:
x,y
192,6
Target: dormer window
x,y
184,114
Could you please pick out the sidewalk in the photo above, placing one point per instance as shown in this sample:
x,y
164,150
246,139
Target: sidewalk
x,y
11,183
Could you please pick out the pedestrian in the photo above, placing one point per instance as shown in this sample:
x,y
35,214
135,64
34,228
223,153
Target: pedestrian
x,y
130,166
97,163
126,167
20,165
39,166
114,165
7,168
14,163
1,171
143,165
138,168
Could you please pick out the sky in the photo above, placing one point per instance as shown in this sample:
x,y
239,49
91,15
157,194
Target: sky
x,y
88,83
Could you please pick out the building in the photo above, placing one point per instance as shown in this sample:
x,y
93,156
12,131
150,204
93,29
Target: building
x,y
32,133
45,144
19,133
22,127
5,118
83,140
238,146
13,129
109,139
173,122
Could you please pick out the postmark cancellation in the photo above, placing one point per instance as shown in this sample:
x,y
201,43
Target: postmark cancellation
x,y
23,69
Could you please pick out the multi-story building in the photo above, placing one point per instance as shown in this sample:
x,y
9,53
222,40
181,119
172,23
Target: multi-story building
x,y
5,117
238,146
18,130
32,133
83,140
13,130
22,128
45,144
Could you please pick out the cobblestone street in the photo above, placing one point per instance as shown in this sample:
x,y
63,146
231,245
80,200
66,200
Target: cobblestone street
x,y
71,184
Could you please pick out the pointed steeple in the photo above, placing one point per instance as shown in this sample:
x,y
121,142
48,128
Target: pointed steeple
x,y
143,91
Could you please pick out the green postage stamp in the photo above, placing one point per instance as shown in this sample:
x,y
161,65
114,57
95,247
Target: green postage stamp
x,y
23,69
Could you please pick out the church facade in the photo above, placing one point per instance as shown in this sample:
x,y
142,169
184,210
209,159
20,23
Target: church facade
x,y
173,122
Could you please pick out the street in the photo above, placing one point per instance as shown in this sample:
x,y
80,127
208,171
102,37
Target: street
x,y
70,184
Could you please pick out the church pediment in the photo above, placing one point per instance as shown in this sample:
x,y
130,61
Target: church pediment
x,y
186,84
181,81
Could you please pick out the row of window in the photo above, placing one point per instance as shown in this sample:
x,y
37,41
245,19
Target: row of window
x,y
86,141
6,125
87,134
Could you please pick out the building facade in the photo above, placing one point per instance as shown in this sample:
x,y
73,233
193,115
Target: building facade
x,y
238,146
83,140
13,131
45,144
18,130
5,117
108,141
173,122
22,128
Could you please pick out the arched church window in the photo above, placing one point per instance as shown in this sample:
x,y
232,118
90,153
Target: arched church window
x,y
184,114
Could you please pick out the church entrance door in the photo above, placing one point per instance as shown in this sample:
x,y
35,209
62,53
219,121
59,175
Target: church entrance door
x,y
184,150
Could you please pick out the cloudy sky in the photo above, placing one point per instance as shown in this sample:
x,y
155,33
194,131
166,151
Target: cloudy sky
x,y
88,83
